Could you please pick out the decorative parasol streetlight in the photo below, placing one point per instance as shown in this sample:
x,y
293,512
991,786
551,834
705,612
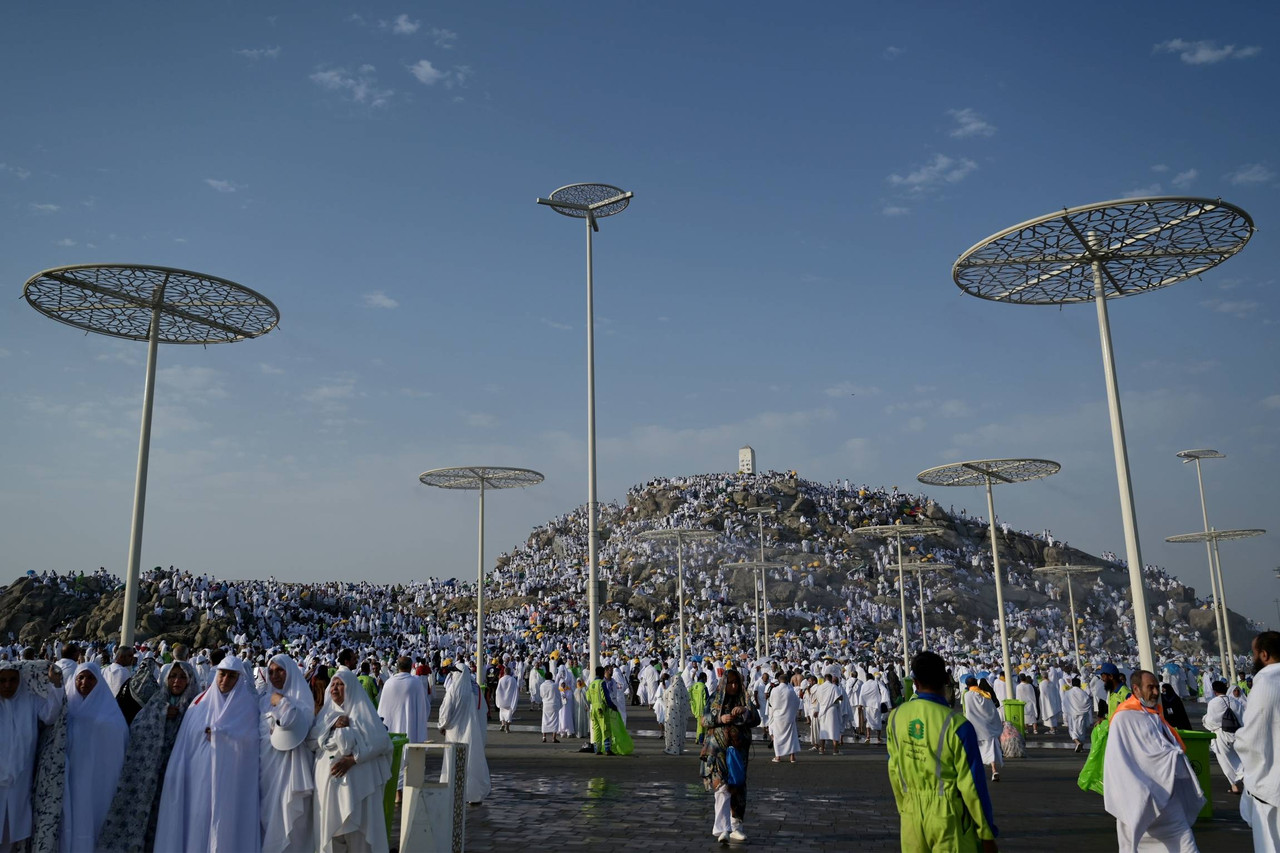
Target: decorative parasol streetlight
x,y
480,478
679,537
1214,537
590,202
1069,570
899,532
985,472
1215,571
759,594
919,570
761,569
157,305
1098,252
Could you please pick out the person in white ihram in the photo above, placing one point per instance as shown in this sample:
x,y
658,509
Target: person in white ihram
x,y
1256,744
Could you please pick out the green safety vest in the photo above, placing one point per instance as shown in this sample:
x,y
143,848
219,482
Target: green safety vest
x,y
937,798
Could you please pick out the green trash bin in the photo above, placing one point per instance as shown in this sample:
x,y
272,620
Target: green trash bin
x,y
398,741
1198,754
1015,715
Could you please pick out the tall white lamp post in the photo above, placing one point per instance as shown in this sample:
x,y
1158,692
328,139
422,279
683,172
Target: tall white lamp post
x,y
1210,548
679,536
1068,570
898,532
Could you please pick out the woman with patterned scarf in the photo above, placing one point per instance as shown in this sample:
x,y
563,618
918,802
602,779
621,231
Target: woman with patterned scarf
x,y
131,824
730,717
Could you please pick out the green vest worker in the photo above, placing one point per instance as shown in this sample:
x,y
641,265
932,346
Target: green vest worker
x,y
935,770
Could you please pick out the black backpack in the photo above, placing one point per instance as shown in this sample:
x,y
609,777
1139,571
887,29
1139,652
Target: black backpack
x,y
1230,722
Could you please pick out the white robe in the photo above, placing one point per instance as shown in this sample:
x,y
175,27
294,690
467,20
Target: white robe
x,y
982,715
1026,694
97,736
826,696
1079,709
1256,745
874,694
1050,702
462,716
507,697
402,705
782,709
1224,745
550,697
351,805
206,804
286,764
1148,784
19,720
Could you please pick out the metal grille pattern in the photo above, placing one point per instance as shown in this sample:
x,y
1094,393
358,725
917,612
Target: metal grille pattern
x,y
1142,244
978,472
1068,569
472,476
1216,536
118,300
589,196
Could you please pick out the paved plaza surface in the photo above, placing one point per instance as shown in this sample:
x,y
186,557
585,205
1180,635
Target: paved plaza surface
x,y
550,797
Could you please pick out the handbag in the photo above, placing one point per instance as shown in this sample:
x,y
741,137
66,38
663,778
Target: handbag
x,y
1230,722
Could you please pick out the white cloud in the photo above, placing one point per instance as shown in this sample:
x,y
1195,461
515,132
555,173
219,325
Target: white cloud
x,y
270,370
895,210
1182,180
44,208
969,123
378,299
402,26
414,393
256,53
1204,52
202,383
892,52
65,242
360,86
1252,173
847,389
332,397
916,424
1160,167
481,419
4,353
1241,308
443,38
428,75
1149,189
223,186
17,171
1272,402
938,171
564,327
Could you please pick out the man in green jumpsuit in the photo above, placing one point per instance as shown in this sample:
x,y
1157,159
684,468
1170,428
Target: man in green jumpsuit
x,y
698,702
1090,778
599,707
935,770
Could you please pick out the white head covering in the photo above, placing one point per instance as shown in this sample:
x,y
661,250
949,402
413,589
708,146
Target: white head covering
x,y
365,736
96,739
17,739
298,693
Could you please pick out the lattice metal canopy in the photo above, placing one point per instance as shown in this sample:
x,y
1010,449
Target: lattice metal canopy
x,y
898,531
1193,455
1216,535
927,567
1142,244
583,200
118,300
677,534
755,564
978,472
1068,569
472,476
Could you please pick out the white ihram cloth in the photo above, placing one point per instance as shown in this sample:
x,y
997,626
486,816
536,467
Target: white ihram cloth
x,y
461,719
402,704
20,717
982,714
783,706
1050,702
873,694
507,697
1026,694
826,697
116,675
550,697
1224,744
206,803
1078,706
1148,785
351,805
1256,744
567,711
97,736
286,773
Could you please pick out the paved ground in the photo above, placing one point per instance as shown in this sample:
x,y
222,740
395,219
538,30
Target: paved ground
x,y
551,798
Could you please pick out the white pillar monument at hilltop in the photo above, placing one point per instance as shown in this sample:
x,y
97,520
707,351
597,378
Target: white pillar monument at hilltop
x,y
746,460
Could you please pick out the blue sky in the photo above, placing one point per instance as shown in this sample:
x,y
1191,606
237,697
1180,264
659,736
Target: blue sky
x,y
804,179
